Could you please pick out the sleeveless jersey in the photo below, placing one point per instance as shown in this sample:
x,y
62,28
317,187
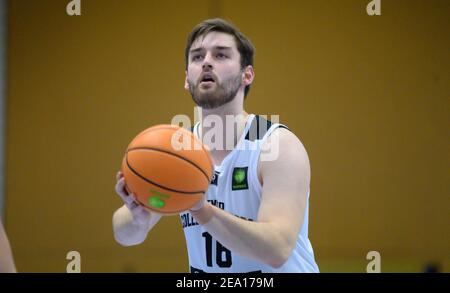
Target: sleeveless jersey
x,y
235,188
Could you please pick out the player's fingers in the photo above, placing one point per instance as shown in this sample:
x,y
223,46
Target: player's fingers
x,y
144,212
137,209
132,205
132,198
119,175
120,189
128,198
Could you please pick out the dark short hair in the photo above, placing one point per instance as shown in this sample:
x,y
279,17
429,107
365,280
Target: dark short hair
x,y
243,44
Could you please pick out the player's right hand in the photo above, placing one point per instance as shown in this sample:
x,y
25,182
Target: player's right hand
x,y
140,214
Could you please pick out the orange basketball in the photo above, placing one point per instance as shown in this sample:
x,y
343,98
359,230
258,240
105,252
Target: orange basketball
x,y
167,168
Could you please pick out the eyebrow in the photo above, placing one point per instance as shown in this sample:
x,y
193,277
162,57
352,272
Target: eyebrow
x,y
216,48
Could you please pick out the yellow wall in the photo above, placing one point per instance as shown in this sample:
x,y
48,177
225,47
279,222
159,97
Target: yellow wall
x,y
368,96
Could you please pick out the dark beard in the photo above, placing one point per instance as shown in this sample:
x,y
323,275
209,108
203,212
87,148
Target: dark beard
x,y
224,93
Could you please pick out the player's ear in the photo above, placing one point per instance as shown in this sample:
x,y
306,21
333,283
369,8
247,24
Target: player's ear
x,y
248,75
186,83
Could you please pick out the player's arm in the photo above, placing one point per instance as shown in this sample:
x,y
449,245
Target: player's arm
x,y
273,236
6,258
131,222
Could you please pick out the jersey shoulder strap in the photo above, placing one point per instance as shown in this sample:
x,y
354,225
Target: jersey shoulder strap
x,y
259,127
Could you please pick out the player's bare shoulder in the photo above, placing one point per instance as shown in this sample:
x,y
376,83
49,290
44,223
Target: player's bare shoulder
x,y
284,151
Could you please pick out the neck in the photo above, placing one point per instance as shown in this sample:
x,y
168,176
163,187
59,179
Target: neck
x,y
221,127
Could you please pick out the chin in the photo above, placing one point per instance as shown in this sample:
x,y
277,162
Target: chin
x,y
206,104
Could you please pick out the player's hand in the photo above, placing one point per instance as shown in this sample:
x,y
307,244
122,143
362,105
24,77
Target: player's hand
x,y
140,215
202,211
199,204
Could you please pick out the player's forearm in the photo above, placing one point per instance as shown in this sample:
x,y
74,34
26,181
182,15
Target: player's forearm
x,y
6,261
128,232
6,258
264,242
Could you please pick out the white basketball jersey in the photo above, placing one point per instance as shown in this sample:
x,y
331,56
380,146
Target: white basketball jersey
x,y
235,188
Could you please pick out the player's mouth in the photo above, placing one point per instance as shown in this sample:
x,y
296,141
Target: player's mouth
x,y
207,79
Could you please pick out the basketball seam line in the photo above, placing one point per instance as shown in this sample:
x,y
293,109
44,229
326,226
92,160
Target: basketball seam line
x,y
160,186
170,153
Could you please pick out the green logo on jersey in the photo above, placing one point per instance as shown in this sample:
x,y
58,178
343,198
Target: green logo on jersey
x,y
239,181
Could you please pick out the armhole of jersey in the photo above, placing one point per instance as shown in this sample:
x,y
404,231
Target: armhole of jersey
x,y
194,130
255,164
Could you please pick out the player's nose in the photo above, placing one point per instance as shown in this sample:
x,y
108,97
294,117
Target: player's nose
x,y
207,62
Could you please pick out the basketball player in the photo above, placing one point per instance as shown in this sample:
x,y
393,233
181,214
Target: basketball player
x,y
6,258
254,217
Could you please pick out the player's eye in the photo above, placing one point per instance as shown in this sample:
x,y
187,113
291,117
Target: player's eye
x,y
197,57
221,56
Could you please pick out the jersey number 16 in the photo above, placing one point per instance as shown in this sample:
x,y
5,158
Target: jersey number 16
x,y
223,255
